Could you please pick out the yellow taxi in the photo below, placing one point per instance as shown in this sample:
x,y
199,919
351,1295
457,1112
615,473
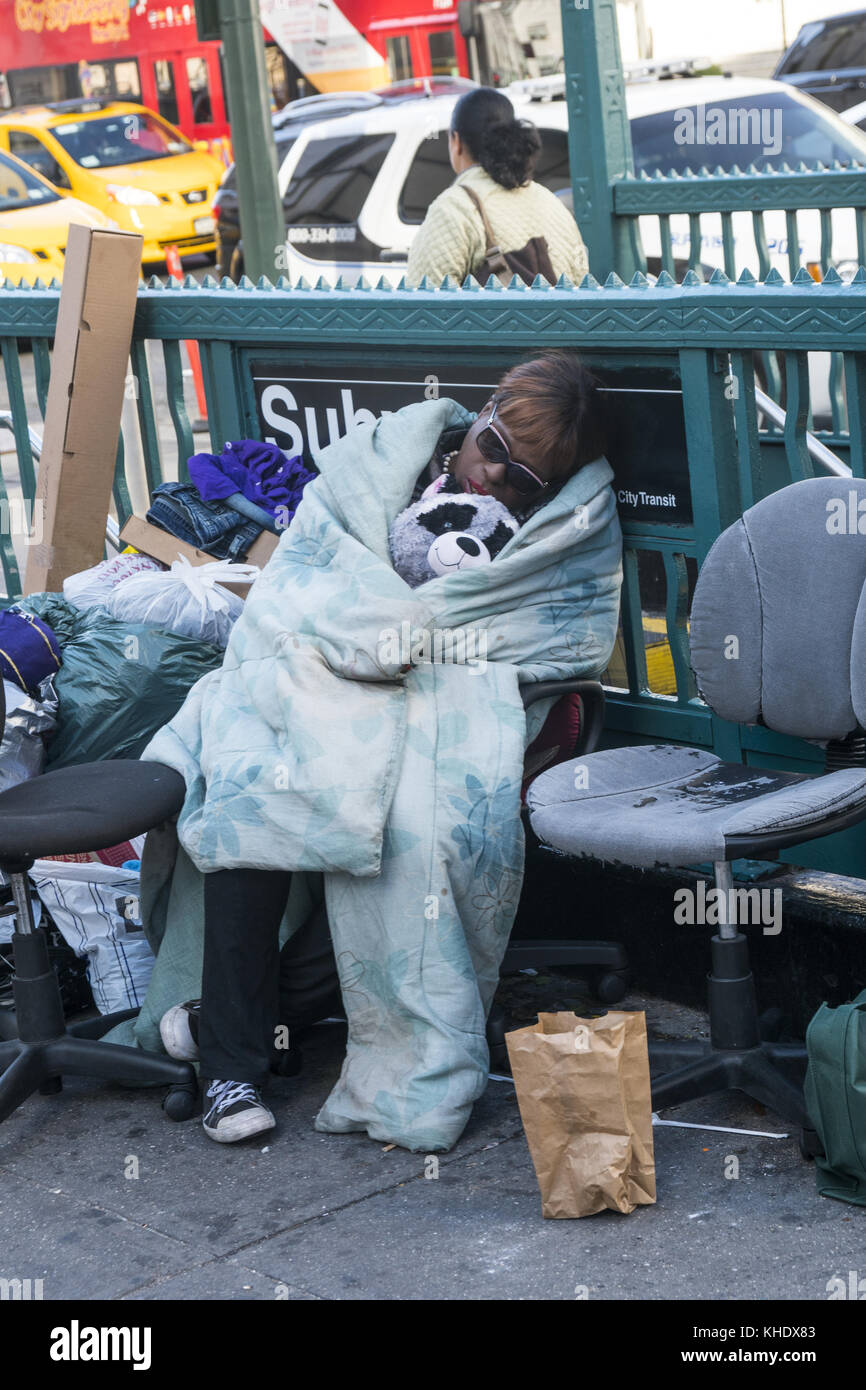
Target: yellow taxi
x,y
34,223
127,162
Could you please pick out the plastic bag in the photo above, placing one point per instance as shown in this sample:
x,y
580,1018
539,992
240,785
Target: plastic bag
x,y
71,971
96,909
28,720
93,588
119,682
186,599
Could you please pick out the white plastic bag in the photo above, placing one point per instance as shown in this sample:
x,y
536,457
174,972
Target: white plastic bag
x,y
92,588
187,599
96,908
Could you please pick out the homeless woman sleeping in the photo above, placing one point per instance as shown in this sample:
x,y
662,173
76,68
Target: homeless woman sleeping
x,y
318,762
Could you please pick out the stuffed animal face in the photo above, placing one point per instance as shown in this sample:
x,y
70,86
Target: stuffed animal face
x,y
447,533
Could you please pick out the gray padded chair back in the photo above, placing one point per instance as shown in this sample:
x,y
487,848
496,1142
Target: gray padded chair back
x,y
778,616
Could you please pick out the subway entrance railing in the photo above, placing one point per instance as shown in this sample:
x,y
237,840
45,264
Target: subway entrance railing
x,y
694,449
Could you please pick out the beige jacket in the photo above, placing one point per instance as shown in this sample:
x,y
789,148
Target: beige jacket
x,y
451,239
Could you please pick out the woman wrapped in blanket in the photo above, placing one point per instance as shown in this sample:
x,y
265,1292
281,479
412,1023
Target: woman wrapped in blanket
x,y
441,827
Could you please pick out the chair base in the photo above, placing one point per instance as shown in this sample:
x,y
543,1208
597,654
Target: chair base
x,y
45,1050
770,1072
607,960
38,1066
741,1054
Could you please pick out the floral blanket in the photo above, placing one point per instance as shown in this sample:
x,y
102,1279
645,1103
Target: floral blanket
x,y
374,734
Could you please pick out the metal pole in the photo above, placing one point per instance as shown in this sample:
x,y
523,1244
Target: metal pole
x,y
261,213
725,884
599,138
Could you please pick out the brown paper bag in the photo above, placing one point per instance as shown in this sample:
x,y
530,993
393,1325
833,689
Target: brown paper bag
x,y
583,1087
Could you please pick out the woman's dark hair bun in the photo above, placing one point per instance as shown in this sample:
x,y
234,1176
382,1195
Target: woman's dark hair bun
x,y
509,152
507,149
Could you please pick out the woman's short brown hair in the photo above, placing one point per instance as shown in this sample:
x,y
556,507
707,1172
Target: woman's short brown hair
x,y
554,399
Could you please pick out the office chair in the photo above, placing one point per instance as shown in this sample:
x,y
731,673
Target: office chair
x,y
778,638
66,812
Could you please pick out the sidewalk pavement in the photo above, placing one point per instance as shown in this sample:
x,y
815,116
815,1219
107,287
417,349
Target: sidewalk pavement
x,y
101,1196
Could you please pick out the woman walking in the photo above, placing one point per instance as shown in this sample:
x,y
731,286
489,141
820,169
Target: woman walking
x,y
494,205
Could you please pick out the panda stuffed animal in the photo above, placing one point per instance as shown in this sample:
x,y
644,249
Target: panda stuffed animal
x,y
448,532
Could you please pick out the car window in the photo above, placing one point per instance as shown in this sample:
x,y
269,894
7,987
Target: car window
x,y
821,46
129,138
21,189
230,178
767,131
34,153
430,173
326,193
552,168
333,177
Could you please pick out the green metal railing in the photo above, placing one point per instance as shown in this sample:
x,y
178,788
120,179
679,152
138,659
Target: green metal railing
x,y
699,339
737,197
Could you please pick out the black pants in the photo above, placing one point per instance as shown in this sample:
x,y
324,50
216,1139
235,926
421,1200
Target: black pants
x,y
249,986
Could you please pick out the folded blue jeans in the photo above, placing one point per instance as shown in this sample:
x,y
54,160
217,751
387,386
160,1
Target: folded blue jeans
x,y
212,526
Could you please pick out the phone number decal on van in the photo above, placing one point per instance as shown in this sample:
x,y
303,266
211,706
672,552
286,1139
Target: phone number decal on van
x,y
322,234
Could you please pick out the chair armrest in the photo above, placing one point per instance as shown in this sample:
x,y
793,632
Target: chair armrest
x,y
592,706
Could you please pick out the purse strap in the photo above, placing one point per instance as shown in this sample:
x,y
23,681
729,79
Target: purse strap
x,y
493,255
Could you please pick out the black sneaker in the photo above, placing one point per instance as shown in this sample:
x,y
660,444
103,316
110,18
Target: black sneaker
x,y
179,1031
236,1112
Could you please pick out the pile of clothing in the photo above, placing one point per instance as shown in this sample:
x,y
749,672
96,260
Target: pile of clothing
x,y
232,498
93,672
60,708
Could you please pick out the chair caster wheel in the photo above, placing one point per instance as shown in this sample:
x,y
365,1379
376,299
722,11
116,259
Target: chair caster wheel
x,y
611,987
52,1087
179,1103
810,1145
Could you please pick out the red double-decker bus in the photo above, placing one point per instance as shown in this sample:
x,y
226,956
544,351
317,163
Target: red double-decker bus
x,y
148,51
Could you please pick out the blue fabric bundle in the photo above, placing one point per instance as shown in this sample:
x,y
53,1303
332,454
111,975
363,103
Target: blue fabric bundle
x,y
29,650
260,472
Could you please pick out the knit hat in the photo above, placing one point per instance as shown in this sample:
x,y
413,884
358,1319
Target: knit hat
x,y
29,650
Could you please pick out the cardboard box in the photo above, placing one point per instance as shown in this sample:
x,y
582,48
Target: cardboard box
x,y
85,397
159,545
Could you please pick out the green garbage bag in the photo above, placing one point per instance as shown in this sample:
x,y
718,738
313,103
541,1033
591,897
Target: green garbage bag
x,y
119,682
835,1093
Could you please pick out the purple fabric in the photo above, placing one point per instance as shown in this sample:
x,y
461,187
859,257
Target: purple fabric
x,y
262,472
29,649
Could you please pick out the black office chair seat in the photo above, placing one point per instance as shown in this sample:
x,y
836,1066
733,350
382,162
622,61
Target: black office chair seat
x,y
86,807
76,809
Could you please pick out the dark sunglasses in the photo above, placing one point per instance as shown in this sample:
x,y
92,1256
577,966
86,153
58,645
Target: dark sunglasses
x,y
494,449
